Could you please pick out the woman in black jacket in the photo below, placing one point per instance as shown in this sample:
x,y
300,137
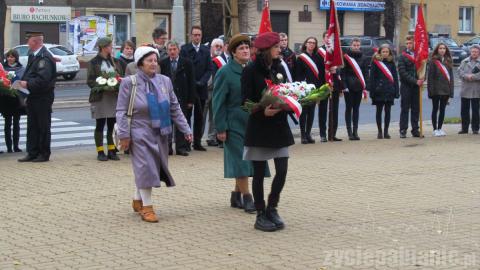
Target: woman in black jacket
x,y
268,134
126,57
383,86
440,85
354,80
309,67
10,106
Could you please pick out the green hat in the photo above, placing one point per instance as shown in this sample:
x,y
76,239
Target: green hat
x,y
103,42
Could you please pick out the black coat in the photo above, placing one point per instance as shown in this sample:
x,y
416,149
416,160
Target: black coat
x,y
262,131
438,85
408,73
202,64
40,74
350,79
215,68
11,105
380,87
304,73
121,65
183,80
290,58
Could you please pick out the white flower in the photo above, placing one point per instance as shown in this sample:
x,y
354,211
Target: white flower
x,y
280,76
98,79
11,74
102,81
112,82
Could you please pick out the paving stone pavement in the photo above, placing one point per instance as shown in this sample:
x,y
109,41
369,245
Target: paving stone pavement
x,y
373,204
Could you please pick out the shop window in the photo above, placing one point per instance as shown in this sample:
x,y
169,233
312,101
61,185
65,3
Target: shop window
x,y
121,25
414,15
465,20
163,21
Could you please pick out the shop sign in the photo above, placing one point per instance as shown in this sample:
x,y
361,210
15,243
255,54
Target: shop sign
x,y
351,5
40,14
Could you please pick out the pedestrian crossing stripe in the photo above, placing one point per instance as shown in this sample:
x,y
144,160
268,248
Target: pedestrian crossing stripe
x,y
64,134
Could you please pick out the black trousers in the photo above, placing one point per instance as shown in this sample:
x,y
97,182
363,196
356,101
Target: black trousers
x,y
439,103
410,103
12,120
39,121
325,115
99,127
281,168
352,108
197,109
306,119
465,104
380,108
180,143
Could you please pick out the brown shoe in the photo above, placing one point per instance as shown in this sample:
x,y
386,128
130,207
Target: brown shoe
x,y
148,214
137,205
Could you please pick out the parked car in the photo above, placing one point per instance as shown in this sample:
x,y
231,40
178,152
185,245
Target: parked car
x,y
458,53
368,45
466,46
66,61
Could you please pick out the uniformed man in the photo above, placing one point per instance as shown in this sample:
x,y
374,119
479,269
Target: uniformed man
x,y
39,79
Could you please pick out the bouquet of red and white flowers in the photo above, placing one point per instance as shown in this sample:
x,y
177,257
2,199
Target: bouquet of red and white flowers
x,y
294,95
107,82
6,83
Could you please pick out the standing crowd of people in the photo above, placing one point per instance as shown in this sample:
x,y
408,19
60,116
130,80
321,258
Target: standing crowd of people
x,y
165,85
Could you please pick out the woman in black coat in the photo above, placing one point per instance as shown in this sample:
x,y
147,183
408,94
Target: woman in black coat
x,y
126,57
309,67
268,134
383,86
10,106
440,85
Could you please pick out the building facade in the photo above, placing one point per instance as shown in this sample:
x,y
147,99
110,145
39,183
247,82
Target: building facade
x,y
458,18
52,17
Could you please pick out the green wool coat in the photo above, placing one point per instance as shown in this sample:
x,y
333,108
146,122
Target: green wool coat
x,y
229,116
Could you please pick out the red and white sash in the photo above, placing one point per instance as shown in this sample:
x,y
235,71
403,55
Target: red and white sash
x,y
293,104
219,61
443,69
309,62
356,68
384,70
322,52
409,57
287,70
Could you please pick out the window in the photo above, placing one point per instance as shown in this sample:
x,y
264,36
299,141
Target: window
x,y
162,21
465,21
121,27
414,15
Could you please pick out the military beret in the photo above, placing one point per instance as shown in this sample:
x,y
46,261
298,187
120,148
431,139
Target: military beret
x,y
267,40
236,41
103,42
29,34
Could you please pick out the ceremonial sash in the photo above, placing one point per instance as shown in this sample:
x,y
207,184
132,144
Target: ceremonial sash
x,y
322,52
443,70
219,61
409,57
293,104
356,68
287,70
385,70
309,62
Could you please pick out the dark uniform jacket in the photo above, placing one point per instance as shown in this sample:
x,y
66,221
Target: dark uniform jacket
x,y
289,58
380,87
202,64
93,72
407,72
350,79
40,74
183,79
438,85
304,73
263,131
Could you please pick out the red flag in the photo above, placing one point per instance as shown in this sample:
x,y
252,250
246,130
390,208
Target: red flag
x,y
334,54
265,24
421,41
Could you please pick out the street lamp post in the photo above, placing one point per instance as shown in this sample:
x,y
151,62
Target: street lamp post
x,y
133,26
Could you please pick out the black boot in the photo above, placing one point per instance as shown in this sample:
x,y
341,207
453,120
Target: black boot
x,y
310,139
248,204
273,216
303,138
236,200
101,156
380,134
355,134
385,134
262,223
350,134
112,155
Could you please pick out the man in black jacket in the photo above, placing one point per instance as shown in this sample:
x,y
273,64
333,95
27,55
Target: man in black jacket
x,y
180,70
199,54
39,79
409,90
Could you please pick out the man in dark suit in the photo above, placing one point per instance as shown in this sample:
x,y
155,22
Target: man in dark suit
x,y
180,70
39,79
202,62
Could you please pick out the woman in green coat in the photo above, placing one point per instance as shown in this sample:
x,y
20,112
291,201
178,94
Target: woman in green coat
x,y
231,120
